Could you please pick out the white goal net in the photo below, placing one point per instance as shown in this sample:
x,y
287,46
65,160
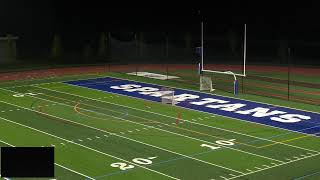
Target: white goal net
x,y
167,96
206,83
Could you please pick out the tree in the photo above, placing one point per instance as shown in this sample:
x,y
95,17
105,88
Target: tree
x,y
233,41
56,47
141,41
282,50
10,47
102,51
188,42
87,51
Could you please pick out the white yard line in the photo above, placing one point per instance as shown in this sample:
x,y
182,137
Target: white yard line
x,y
97,76
125,137
144,125
211,113
216,95
85,146
56,164
253,172
186,120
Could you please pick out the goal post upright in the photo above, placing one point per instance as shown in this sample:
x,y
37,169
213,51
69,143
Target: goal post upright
x,y
201,46
221,72
244,50
243,74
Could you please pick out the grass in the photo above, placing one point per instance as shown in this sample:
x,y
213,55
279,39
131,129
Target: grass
x,y
91,130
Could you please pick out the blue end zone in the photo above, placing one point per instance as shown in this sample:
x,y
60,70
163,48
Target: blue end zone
x,y
309,126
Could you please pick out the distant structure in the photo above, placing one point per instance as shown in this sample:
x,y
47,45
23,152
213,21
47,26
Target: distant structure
x,y
8,48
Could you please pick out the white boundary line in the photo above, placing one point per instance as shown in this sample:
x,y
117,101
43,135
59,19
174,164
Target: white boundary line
x,y
97,76
142,125
55,163
211,94
270,167
208,112
186,156
253,172
82,145
106,76
175,118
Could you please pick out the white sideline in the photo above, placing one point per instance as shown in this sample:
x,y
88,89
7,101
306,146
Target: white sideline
x,y
49,79
207,112
55,163
253,172
142,125
216,95
121,137
98,76
181,119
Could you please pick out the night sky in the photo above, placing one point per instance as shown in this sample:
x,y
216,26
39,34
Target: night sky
x,y
22,16
36,21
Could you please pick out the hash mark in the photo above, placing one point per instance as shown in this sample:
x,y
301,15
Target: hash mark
x,y
80,140
257,168
130,131
265,166
288,159
106,135
89,139
137,130
97,137
223,177
152,157
62,144
145,128
249,170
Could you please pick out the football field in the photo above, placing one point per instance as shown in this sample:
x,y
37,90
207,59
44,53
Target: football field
x,y
108,135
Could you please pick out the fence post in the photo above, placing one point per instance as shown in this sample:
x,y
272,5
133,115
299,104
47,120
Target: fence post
x,y
136,70
242,84
289,64
167,70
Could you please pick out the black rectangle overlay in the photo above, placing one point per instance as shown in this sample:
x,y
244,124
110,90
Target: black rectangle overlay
x,y
27,161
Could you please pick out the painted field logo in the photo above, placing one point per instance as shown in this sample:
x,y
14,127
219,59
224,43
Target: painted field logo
x,y
219,104
270,115
153,75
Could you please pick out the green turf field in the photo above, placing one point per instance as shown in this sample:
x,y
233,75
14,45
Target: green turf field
x,y
98,135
